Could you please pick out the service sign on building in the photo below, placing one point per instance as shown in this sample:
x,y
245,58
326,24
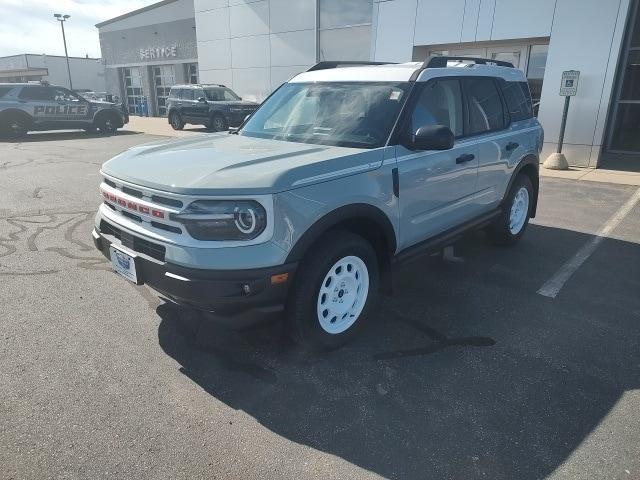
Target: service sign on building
x,y
569,85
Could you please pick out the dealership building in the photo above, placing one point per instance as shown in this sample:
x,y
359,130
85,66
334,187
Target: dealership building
x,y
254,46
147,51
86,73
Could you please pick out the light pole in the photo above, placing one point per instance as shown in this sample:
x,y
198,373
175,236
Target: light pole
x,y
63,18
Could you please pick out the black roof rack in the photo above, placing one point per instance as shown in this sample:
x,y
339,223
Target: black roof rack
x,y
335,64
441,62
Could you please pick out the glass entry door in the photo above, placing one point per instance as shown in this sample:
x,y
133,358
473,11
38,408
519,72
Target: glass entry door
x,y
136,100
164,78
624,134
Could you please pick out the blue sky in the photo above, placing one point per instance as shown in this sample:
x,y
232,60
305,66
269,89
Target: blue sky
x,y
28,26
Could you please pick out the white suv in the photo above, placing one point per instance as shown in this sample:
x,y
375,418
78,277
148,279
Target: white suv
x,y
341,173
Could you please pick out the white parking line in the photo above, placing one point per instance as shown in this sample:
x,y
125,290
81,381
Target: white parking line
x,y
553,286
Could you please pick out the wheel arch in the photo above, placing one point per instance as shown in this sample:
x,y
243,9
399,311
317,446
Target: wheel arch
x,y
529,166
100,114
363,219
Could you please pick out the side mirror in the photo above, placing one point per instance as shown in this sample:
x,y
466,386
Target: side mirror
x,y
432,137
202,100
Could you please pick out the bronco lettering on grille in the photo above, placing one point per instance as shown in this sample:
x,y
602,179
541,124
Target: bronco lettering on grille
x,y
129,205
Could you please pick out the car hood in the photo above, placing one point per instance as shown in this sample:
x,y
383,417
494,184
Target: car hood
x,y
225,164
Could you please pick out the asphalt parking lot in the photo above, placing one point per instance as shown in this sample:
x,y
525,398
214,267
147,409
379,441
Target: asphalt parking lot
x,y
466,372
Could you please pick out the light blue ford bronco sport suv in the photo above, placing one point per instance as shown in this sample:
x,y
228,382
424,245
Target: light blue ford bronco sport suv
x,y
344,171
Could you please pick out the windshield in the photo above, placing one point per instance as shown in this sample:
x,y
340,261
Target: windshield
x,y
220,94
353,114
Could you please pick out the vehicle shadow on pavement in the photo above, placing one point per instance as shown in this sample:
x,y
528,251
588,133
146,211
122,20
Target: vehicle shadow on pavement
x,y
466,372
57,136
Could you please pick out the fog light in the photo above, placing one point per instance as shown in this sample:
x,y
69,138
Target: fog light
x,y
280,278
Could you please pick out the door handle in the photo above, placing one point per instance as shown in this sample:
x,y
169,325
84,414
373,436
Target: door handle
x,y
467,157
512,146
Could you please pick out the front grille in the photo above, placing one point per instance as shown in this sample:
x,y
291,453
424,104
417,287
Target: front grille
x,y
168,228
132,216
133,242
132,192
170,202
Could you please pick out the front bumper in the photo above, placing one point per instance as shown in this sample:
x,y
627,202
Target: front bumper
x,y
236,298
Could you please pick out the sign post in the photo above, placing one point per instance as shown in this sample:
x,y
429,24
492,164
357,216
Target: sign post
x,y
568,89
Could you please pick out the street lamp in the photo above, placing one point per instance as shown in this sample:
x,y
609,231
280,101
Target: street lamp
x,y
63,18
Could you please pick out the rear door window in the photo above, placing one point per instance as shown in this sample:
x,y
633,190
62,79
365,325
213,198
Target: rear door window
x,y
37,93
486,112
518,99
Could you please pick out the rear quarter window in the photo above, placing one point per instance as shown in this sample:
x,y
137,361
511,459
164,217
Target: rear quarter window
x,y
518,99
5,90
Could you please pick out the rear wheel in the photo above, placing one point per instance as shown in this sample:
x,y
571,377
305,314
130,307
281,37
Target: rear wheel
x,y
511,225
334,288
15,126
176,121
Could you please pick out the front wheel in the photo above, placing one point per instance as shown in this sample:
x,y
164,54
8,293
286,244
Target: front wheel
x,y
176,121
333,289
107,125
218,123
510,226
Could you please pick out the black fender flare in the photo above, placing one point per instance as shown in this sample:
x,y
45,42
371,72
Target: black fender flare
x,y
15,111
102,113
354,213
527,160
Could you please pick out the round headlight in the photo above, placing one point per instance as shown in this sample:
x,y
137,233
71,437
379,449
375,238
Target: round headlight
x,y
223,219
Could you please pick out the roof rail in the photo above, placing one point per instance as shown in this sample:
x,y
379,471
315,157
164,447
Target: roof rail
x,y
336,64
441,62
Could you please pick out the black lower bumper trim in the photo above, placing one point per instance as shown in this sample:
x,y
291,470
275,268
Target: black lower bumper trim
x,y
238,298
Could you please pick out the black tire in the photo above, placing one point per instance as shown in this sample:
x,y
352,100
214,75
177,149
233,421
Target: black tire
x,y
107,124
302,316
501,231
217,123
14,126
176,121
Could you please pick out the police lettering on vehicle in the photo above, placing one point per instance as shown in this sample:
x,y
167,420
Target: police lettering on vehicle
x,y
60,110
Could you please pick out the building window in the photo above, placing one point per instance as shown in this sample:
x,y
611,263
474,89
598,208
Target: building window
x,y
163,78
624,137
136,100
345,29
531,59
535,72
192,73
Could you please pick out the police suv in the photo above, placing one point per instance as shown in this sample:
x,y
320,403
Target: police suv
x,y
342,173
40,106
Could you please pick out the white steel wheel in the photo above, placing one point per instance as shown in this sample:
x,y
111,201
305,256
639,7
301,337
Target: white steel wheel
x,y
519,210
343,294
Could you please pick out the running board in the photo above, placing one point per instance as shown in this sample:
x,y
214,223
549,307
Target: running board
x,y
436,243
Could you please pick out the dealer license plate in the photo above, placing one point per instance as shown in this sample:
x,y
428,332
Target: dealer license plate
x,y
124,264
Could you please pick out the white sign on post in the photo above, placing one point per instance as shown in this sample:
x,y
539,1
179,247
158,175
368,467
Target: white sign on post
x,y
569,85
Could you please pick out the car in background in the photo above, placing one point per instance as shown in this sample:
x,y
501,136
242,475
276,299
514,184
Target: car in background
x,y
215,106
40,106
